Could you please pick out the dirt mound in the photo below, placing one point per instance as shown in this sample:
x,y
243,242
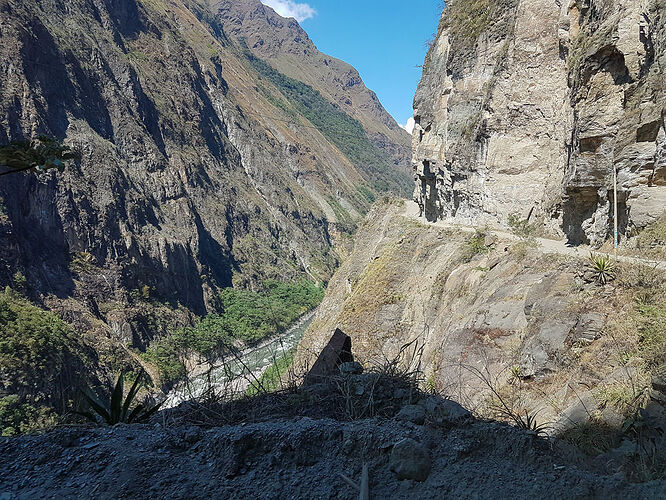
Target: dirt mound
x,y
303,458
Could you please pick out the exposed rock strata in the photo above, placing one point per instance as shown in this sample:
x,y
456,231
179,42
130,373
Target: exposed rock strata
x,y
512,313
532,115
196,173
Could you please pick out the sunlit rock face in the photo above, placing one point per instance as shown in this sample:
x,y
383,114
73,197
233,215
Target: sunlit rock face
x,y
199,170
530,109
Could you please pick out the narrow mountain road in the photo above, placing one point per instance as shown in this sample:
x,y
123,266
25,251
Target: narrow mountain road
x,y
546,245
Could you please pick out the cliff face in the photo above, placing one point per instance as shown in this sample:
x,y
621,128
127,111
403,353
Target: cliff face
x,y
200,169
528,106
494,312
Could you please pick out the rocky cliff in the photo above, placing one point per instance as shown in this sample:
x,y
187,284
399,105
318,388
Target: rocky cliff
x,y
208,159
530,106
483,312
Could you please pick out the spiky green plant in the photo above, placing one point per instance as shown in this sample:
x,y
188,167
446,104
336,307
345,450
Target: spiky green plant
x,y
116,409
601,267
529,423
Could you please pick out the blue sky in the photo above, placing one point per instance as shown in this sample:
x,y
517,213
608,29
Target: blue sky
x,y
384,40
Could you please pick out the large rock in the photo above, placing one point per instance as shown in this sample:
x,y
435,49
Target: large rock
x,y
410,460
412,413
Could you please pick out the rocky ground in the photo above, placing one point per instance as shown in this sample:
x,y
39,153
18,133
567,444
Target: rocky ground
x,y
432,449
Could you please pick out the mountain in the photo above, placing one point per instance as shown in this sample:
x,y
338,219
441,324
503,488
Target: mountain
x,y
487,286
529,108
206,162
284,44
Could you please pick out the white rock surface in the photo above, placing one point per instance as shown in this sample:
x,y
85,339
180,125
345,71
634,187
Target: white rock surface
x,y
533,119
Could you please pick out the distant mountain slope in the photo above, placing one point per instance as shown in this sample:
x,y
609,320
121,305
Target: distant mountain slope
x,y
204,165
284,44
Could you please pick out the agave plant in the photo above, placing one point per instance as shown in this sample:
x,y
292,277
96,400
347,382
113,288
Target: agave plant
x,y
116,409
601,267
529,423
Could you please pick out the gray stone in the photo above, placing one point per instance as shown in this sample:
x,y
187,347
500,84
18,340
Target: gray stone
x,y
589,327
579,412
444,409
659,381
410,460
452,411
351,368
412,413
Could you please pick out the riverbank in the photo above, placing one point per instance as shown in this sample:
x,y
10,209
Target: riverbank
x,y
235,372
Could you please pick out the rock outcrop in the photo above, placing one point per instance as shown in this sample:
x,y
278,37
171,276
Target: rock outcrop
x,y
529,106
199,169
474,313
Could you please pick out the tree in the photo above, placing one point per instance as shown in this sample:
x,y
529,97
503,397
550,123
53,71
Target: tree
x,y
40,154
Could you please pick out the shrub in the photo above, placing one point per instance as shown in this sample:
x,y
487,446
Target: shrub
x,y
17,417
20,282
82,262
117,409
521,227
475,245
652,240
593,437
601,268
38,351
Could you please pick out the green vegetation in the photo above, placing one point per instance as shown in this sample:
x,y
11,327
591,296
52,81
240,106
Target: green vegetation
x,y
521,227
40,358
42,153
344,219
366,193
593,437
118,408
20,282
601,268
651,242
346,133
280,103
242,315
34,344
271,379
651,323
21,418
82,262
475,245
466,20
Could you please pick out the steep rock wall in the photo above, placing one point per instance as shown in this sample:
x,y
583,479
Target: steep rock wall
x,y
527,106
197,172
481,313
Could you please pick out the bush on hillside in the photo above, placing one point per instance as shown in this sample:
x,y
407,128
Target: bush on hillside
x,y
41,360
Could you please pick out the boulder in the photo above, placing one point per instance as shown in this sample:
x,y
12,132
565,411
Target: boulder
x,y
410,460
336,352
412,413
444,409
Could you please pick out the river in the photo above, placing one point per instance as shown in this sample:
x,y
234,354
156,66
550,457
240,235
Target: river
x,y
234,374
